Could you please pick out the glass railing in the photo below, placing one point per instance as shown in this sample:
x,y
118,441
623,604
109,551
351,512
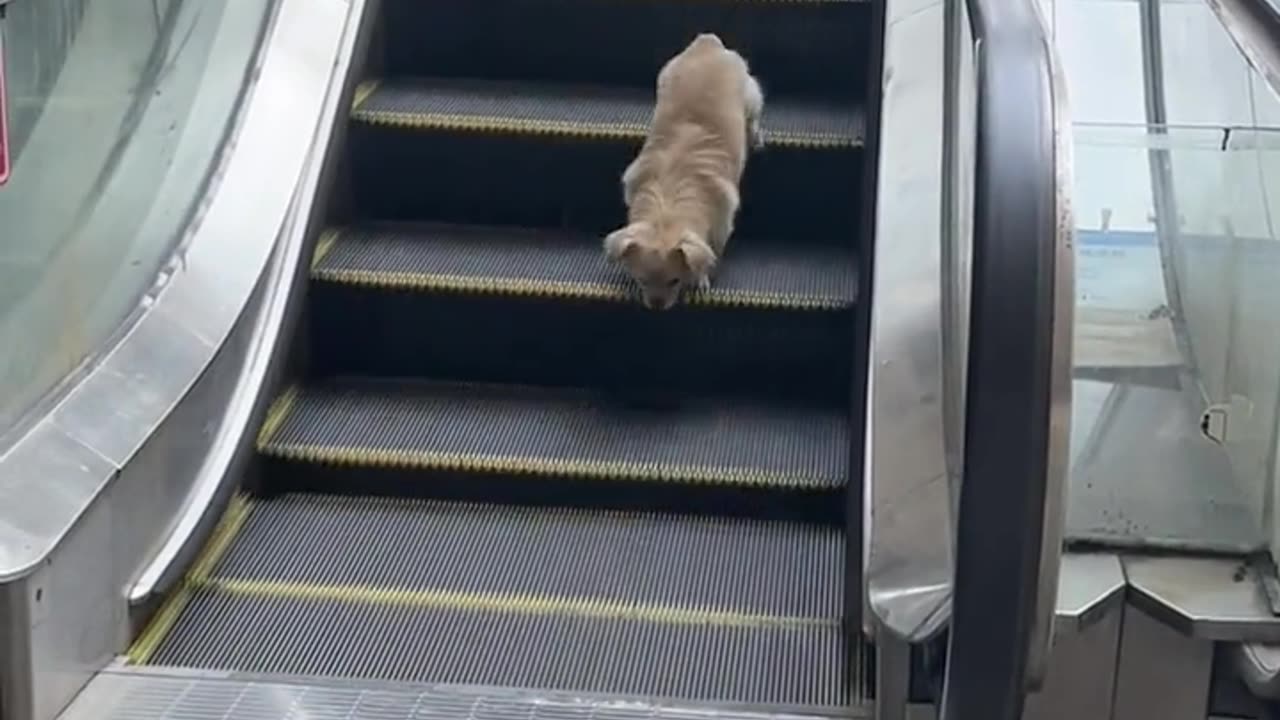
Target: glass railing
x,y
118,112
1177,336
1177,362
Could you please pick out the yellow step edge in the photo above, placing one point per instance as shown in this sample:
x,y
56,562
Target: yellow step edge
x,y
568,128
324,245
519,287
361,456
279,411
162,623
521,604
363,91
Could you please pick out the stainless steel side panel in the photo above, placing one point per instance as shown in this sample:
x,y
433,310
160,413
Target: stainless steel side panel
x,y
122,468
909,530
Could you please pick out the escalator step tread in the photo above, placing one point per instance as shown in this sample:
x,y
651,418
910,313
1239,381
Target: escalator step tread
x,y
517,262
565,600
577,111
229,630
676,562
559,433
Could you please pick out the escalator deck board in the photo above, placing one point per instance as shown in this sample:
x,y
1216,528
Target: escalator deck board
x,y
569,600
559,433
513,262
576,111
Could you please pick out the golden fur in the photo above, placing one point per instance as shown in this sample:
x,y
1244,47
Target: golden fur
x,y
681,191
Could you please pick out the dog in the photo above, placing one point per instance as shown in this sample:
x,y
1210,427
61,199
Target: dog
x,y
681,190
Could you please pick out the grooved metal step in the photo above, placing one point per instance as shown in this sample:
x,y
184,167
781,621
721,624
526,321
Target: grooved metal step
x,y
556,264
629,604
562,433
577,111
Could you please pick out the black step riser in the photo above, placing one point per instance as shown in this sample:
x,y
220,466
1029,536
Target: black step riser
x,y
778,353
466,177
811,48
821,507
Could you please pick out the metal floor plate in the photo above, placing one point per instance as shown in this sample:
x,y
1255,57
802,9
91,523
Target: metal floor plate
x,y
132,695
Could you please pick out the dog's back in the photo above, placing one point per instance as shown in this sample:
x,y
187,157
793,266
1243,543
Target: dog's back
x,y
703,86
688,171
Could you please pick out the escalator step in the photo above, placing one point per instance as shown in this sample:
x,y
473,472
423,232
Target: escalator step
x,y
506,262
577,111
535,432
549,155
684,564
557,444
623,603
794,46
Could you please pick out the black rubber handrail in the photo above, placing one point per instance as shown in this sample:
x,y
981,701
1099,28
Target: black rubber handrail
x,y
1254,27
1011,368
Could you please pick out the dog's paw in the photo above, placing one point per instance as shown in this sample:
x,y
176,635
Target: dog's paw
x,y
702,284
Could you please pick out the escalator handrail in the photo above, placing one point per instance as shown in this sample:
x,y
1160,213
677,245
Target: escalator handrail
x,y
1001,573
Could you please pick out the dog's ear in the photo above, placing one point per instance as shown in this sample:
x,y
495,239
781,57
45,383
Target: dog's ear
x,y
698,256
620,242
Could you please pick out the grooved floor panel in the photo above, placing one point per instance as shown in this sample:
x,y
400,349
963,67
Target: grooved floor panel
x,y
581,110
143,696
561,432
677,562
503,261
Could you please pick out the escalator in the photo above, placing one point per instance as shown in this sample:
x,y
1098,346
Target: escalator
x,y
493,467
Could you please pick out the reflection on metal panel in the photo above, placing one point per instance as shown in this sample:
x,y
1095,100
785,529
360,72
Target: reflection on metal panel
x,y
1206,598
4,111
1059,442
1080,681
49,30
909,552
1161,673
1089,586
1259,667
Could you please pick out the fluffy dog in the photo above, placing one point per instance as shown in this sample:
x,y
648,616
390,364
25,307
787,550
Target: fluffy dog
x,y
681,191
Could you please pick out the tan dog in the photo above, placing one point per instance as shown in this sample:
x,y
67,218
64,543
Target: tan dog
x,y
681,191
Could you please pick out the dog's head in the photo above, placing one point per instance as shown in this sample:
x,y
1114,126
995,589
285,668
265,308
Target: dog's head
x,y
662,261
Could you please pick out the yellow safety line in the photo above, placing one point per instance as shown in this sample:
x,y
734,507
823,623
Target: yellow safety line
x,y
362,93
517,465
520,287
327,240
276,415
159,627
568,128
524,604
